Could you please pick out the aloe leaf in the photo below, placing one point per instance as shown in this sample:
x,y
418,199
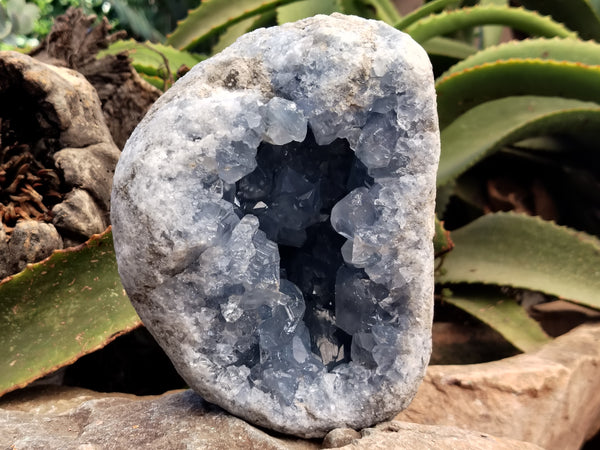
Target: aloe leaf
x,y
60,309
424,11
245,26
442,199
579,15
149,59
518,18
501,313
306,8
384,10
214,16
489,126
358,8
442,243
136,19
557,49
158,83
526,252
232,34
463,90
448,47
491,34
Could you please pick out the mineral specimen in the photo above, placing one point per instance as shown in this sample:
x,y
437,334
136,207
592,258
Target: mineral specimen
x,y
273,218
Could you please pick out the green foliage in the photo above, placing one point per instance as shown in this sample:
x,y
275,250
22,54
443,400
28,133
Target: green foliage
x,y
500,312
489,102
213,17
461,91
17,20
490,126
521,251
60,309
521,19
159,64
202,28
576,51
580,15
306,8
442,243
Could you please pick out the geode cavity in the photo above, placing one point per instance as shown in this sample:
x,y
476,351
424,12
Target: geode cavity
x,y
273,217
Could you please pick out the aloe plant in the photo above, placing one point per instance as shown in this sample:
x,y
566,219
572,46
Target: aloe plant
x,y
493,99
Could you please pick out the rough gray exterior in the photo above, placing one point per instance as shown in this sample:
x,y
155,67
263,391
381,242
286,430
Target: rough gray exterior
x,y
204,272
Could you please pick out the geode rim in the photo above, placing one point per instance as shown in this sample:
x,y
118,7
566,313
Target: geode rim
x,y
204,275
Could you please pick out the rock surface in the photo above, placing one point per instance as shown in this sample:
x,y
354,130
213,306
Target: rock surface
x,y
31,241
273,217
59,120
550,397
72,418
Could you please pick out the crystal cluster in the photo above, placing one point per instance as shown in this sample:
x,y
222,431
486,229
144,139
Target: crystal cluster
x,y
273,217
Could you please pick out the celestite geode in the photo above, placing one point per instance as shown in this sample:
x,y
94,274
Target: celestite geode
x,y
273,218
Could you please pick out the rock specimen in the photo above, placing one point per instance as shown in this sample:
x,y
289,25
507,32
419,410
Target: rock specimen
x,y
273,217
59,418
56,161
550,397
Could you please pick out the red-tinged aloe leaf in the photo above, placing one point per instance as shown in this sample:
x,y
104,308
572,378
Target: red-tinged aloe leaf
x,y
442,243
489,126
455,20
501,313
214,16
578,15
516,250
557,49
60,309
463,90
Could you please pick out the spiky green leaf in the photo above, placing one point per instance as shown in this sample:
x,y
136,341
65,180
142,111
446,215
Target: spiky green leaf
x,y
501,313
448,47
507,249
557,49
424,11
518,18
245,26
306,8
151,59
214,16
579,15
384,10
442,243
489,126
60,309
470,87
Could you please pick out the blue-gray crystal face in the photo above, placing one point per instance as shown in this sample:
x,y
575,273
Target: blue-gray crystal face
x,y
273,217
292,192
